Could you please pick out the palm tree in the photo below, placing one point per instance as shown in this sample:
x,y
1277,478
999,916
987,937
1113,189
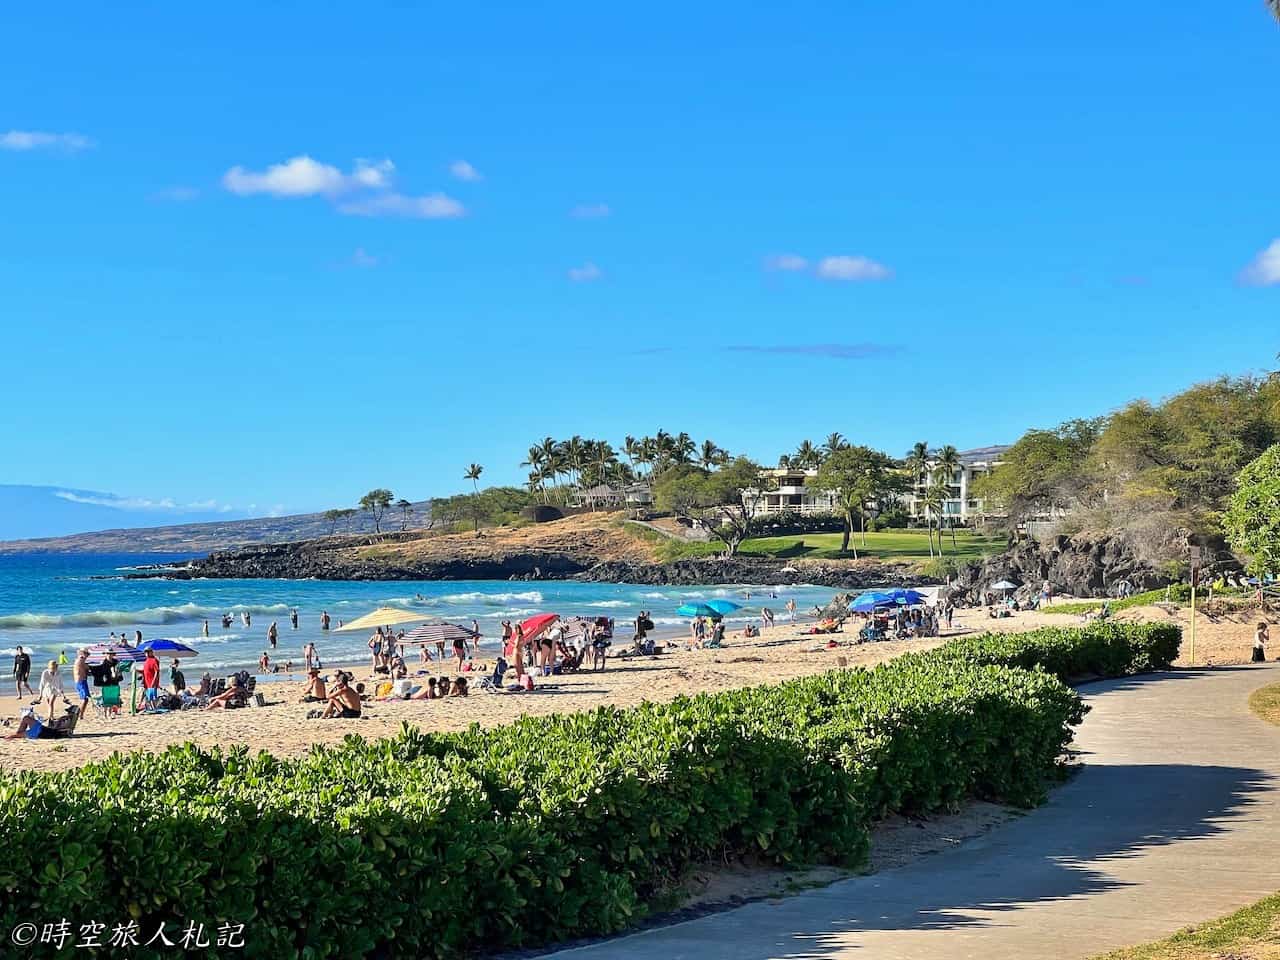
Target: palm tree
x,y
835,443
784,462
537,464
917,462
683,448
710,455
473,474
935,495
631,449
807,455
946,464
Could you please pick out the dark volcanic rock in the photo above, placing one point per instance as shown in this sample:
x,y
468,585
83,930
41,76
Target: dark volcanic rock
x,y
699,571
1080,566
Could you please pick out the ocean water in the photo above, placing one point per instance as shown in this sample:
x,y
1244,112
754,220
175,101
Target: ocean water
x,y
50,603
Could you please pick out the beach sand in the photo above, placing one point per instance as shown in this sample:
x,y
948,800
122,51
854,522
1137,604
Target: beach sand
x,y
781,653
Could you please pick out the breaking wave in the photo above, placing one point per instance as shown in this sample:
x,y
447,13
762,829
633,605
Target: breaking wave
x,y
148,615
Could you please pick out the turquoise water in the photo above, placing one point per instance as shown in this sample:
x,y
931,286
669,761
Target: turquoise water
x,y
57,602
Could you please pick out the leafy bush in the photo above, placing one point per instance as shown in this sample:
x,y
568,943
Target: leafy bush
x,y
549,827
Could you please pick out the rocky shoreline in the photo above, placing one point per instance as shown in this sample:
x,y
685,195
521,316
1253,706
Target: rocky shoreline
x,y
319,560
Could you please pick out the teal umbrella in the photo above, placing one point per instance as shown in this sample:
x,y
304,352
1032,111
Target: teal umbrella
x,y
698,610
723,606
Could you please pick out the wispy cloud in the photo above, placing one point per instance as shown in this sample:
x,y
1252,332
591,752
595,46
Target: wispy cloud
x,y
41,140
433,206
462,170
789,262
590,211
1264,269
832,351
364,191
176,194
851,268
163,505
585,273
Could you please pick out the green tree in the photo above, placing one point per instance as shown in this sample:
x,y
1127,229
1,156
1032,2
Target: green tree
x,y
933,500
834,443
1252,518
1046,471
724,501
917,462
473,474
333,516
946,464
376,502
860,479
807,456
406,511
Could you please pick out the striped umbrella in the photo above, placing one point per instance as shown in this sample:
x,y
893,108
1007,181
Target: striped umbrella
x,y
124,653
439,633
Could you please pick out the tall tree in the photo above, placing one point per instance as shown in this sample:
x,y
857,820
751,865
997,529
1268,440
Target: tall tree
x,y
859,479
376,502
807,455
725,501
473,474
333,516
834,443
946,464
1252,519
406,511
711,455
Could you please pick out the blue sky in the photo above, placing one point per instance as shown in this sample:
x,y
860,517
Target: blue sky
x,y
922,221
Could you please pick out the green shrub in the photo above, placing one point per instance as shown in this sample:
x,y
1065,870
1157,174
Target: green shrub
x,y
429,844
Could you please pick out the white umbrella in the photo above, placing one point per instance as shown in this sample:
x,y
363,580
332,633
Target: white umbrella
x,y
1004,585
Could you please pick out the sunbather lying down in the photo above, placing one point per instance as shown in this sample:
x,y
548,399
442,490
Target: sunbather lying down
x,y
829,625
33,728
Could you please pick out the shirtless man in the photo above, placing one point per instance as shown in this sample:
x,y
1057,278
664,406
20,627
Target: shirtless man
x,y
80,674
343,702
315,691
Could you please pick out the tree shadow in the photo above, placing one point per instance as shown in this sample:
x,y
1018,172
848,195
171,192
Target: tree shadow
x,y
1059,851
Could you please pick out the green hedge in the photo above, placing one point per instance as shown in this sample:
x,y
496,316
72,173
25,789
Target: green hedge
x,y
547,828
1075,653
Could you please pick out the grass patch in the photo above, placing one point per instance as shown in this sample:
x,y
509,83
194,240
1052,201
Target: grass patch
x,y
1178,593
1249,934
885,545
1265,703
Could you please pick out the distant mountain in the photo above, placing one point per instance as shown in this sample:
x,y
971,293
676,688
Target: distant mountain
x,y
28,511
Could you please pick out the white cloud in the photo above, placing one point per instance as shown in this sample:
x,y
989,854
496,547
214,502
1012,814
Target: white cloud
x,y
1264,269
852,268
362,259
297,177
465,171
585,273
590,211
433,206
786,261
375,175
163,505
37,140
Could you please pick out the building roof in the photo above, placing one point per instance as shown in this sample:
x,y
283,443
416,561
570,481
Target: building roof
x,y
983,454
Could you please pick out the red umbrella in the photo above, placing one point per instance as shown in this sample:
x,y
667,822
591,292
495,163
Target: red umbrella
x,y
537,624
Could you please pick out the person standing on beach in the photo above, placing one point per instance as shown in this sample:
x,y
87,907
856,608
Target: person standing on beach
x,y
791,608
80,674
375,648
151,678
324,619
273,634
22,672
309,653
137,638
766,617
51,685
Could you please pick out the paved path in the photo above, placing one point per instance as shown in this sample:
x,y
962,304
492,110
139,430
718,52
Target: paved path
x,y
1174,819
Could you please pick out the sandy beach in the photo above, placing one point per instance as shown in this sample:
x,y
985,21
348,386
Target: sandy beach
x,y
782,652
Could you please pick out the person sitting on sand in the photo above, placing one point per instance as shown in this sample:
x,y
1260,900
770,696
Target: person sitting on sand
x,y
344,702
177,681
234,693
33,728
315,691
459,687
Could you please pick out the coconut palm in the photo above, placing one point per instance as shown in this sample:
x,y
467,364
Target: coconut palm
x,y
835,443
784,462
537,464
711,455
683,448
473,474
917,462
807,455
946,464
933,501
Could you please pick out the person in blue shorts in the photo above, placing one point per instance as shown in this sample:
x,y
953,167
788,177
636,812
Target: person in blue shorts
x,y
80,674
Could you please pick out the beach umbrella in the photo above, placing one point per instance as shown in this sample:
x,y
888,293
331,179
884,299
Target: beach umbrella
x,y
1004,585
723,606
906,598
382,617
698,610
439,633
537,624
868,600
124,653
171,649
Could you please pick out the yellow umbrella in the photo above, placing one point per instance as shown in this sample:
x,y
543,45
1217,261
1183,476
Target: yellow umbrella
x,y
382,617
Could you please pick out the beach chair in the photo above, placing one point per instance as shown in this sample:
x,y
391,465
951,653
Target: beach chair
x,y
107,703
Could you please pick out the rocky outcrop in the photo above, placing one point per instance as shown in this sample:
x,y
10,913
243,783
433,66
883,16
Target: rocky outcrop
x,y
1079,566
699,571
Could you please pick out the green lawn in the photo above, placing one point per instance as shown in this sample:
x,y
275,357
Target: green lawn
x,y
1249,934
888,545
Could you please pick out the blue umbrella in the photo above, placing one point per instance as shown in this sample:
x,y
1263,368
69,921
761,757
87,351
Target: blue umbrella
x,y
723,606
697,610
169,648
869,600
907,598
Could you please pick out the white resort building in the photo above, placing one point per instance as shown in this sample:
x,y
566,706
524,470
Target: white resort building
x,y
784,490
961,506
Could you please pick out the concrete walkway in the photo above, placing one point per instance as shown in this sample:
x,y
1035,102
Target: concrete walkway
x,y
1174,819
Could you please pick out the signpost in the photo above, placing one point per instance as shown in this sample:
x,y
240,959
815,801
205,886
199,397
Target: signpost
x,y
1195,580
